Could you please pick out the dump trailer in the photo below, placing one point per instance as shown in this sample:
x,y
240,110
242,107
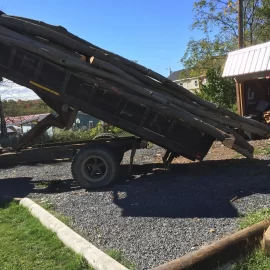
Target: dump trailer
x,y
70,74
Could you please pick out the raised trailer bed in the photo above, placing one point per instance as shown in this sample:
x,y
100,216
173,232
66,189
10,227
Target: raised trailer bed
x,y
71,74
177,136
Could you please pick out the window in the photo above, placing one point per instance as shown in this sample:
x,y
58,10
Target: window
x,y
196,83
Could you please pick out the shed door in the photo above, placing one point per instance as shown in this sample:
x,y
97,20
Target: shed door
x,y
254,92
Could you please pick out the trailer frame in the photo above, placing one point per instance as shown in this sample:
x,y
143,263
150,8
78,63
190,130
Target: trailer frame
x,y
66,93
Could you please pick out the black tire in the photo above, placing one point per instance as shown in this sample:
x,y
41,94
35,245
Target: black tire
x,y
108,136
95,167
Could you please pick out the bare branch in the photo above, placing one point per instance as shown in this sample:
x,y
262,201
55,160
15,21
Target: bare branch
x,y
229,24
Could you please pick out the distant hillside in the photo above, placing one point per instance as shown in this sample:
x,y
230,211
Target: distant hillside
x,y
25,107
19,100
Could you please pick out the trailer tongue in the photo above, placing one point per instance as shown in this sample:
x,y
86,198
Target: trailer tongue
x,y
70,74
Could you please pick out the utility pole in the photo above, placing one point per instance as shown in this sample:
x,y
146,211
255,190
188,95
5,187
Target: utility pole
x,y
3,121
240,25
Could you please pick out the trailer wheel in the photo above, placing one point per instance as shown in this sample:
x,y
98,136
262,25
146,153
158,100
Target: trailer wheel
x,y
95,167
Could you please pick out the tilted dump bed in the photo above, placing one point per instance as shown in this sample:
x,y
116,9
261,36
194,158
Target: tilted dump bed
x,y
70,74
54,83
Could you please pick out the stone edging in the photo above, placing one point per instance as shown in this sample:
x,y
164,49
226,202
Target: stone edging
x,y
94,256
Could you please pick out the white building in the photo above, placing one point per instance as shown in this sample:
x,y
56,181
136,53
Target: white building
x,y
193,84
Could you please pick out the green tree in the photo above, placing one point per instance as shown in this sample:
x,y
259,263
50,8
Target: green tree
x,y
21,107
264,14
221,17
218,21
204,54
218,90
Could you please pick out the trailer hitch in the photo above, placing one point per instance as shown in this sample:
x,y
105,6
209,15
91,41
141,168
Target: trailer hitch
x,y
37,130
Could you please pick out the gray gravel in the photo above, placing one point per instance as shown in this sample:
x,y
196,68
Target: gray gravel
x,y
152,218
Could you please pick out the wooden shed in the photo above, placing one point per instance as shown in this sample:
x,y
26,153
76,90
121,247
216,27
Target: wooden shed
x,y
250,67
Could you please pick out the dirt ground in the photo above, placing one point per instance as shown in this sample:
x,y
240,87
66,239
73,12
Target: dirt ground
x,y
219,152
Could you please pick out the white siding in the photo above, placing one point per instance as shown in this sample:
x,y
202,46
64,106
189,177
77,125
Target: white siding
x,y
190,84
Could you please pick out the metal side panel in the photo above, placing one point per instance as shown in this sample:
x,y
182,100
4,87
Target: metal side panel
x,y
56,83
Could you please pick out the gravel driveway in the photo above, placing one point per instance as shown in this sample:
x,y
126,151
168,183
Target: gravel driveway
x,y
155,217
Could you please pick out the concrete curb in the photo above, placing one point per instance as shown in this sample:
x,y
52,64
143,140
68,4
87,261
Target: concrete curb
x,y
95,257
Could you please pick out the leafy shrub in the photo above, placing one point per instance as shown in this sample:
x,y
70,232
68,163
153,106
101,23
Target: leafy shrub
x,y
219,90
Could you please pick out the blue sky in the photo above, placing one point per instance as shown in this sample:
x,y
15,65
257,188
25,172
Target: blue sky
x,y
153,32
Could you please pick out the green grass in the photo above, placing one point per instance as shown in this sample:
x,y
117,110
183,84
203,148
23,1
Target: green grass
x,y
257,260
61,135
254,217
115,254
237,156
258,151
73,135
118,256
264,151
42,185
51,209
26,244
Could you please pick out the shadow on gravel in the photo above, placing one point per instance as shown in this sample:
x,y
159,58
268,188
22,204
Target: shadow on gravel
x,y
205,189
10,164
22,187
15,187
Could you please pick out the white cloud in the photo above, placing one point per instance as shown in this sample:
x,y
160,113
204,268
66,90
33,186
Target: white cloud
x,y
11,90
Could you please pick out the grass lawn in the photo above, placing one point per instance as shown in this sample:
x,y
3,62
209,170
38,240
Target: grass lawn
x,y
257,259
117,255
26,244
254,217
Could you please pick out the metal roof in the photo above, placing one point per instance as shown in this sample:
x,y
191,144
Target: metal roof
x,y
249,61
175,75
18,120
9,131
